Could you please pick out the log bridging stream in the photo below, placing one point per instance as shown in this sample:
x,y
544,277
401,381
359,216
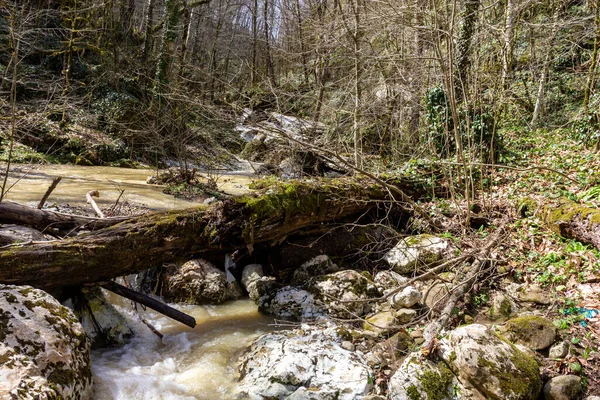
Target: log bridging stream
x,y
149,240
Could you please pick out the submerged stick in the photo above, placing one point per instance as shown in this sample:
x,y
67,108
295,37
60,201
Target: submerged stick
x,y
48,192
151,303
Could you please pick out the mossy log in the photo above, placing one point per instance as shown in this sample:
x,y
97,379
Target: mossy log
x,y
149,240
573,221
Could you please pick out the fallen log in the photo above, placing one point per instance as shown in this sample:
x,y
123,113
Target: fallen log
x,y
152,239
42,220
573,221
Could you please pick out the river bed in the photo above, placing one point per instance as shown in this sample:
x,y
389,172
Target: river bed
x,y
29,183
186,363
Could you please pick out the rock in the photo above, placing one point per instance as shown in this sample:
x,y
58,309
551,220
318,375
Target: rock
x,y
44,353
436,294
290,169
502,307
303,364
196,282
562,387
405,315
408,297
251,273
417,251
533,331
291,303
526,293
101,321
381,323
320,265
475,364
419,378
592,398
387,281
262,287
559,350
393,348
339,291
493,365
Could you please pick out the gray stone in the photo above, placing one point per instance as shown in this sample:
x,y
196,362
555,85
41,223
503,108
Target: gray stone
x,y
502,307
340,291
305,364
381,323
559,350
197,282
291,303
320,265
405,315
44,353
417,251
388,281
106,326
535,332
263,286
562,387
408,297
251,273
475,364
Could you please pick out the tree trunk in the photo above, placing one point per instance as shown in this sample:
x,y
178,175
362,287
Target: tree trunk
x,y
463,49
149,240
574,221
149,23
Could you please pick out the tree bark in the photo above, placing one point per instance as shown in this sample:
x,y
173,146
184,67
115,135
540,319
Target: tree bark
x,y
149,240
574,221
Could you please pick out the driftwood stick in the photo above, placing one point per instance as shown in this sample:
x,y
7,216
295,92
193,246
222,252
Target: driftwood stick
x,y
151,303
90,200
48,192
435,327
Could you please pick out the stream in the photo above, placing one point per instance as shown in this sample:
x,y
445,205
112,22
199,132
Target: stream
x,y
186,363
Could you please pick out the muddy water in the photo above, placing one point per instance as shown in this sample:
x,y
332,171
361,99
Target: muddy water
x,y
187,363
30,183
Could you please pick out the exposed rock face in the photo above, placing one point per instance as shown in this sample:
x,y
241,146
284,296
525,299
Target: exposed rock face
x,y
487,367
101,321
303,364
532,331
291,303
44,353
320,265
562,387
417,251
197,282
340,290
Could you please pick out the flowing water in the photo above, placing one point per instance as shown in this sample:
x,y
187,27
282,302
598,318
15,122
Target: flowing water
x,y
31,182
186,363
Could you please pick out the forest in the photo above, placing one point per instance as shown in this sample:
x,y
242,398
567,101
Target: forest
x,y
409,187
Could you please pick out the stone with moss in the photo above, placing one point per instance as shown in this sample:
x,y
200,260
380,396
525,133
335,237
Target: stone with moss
x,y
533,331
493,366
319,265
416,252
343,293
44,352
527,206
381,323
291,303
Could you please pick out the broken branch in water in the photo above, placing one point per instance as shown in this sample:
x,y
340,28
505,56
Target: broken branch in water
x,y
49,191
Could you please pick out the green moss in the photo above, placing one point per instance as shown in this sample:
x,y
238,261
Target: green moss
x,y
527,207
413,393
436,383
568,211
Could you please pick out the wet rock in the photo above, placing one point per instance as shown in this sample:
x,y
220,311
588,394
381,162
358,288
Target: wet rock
x,y
291,303
381,323
388,281
262,287
44,353
475,364
417,251
101,321
197,282
251,272
535,332
303,364
340,290
559,350
408,297
320,265
563,387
